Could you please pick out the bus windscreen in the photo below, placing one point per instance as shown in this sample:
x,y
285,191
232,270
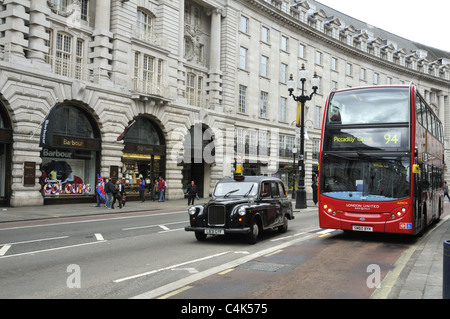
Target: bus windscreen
x,y
365,178
370,106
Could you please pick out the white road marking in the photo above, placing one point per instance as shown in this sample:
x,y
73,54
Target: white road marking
x,y
170,267
93,220
325,231
170,230
36,240
215,270
99,236
155,225
4,249
164,227
52,249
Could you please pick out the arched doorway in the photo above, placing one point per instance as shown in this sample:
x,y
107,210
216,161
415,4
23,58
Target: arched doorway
x,y
70,155
199,156
5,156
144,155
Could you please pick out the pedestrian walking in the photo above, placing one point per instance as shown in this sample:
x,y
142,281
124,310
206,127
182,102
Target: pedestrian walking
x,y
142,190
155,190
162,188
118,192
446,191
100,192
109,191
191,192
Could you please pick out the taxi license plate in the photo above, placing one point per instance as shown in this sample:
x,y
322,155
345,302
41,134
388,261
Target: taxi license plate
x,y
211,231
363,228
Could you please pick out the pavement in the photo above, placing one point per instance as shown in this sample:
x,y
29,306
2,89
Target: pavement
x,y
418,273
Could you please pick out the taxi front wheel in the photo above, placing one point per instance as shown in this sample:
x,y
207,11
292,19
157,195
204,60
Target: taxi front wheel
x,y
254,232
201,236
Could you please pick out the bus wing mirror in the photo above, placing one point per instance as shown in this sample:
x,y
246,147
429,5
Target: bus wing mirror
x,y
416,169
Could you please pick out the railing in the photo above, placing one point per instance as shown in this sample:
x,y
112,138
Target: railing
x,y
151,88
148,36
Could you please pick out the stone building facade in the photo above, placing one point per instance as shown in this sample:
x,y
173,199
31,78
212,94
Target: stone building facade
x,y
203,84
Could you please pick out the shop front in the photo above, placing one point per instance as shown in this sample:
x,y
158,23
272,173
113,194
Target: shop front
x,y
5,157
144,157
70,155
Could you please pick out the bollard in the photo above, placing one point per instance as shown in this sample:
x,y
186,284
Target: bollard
x,y
446,272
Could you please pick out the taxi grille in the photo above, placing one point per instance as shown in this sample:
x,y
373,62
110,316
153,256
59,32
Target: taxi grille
x,y
216,216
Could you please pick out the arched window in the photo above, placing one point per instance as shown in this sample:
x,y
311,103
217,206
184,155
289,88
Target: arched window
x,y
144,25
72,121
144,131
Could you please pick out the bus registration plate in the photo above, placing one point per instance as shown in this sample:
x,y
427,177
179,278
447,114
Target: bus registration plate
x,y
363,228
212,231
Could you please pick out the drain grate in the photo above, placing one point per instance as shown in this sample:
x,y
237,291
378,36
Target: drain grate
x,y
264,267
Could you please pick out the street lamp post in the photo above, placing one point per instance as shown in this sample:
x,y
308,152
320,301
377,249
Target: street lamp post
x,y
294,152
300,201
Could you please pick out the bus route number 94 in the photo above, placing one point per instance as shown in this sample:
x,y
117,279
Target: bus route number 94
x,y
391,139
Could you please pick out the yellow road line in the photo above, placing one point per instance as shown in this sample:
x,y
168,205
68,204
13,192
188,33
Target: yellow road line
x,y
176,292
226,271
275,252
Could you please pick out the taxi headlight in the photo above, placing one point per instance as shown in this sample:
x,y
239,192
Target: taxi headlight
x,y
241,211
192,210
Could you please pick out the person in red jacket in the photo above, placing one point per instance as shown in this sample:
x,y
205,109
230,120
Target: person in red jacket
x,y
162,188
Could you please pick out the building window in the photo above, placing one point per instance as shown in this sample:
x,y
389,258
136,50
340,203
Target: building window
x,y
363,74
144,26
63,55
301,51
315,149
283,111
265,34
242,98
263,104
318,117
318,57
375,78
244,24
243,58
284,43
148,74
334,64
334,85
264,66
283,73
194,89
348,70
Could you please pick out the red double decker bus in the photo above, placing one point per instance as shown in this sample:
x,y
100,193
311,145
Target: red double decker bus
x,y
381,162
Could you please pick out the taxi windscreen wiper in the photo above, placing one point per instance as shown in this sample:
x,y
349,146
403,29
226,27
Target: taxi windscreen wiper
x,y
230,192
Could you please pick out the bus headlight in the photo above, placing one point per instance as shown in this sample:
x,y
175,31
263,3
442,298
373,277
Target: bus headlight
x,y
329,210
241,211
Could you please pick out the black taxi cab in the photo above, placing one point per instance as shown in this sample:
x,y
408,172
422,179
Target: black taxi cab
x,y
244,205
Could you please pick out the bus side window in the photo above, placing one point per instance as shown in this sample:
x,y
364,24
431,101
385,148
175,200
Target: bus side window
x,y
418,109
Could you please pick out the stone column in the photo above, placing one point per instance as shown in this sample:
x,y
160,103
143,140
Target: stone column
x,y
101,43
181,77
215,74
16,28
38,36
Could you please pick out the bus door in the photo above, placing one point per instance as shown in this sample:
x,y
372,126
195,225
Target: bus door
x,y
434,202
